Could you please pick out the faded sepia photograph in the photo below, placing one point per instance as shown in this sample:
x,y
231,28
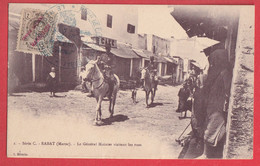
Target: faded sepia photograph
x,y
130,81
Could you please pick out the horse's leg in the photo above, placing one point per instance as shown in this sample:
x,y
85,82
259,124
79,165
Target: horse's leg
x,y
185,114
148,94
113,105
100,112
152,96
98,109
110,105
146,98
154,91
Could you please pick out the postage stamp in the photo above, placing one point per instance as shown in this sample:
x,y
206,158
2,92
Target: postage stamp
x,y
37,28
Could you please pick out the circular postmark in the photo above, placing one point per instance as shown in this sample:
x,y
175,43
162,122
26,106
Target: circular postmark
x,y
71,22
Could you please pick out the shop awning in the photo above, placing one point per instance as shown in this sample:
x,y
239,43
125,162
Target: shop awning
x,y
168,59
61,38
160,59
196,64
156,58
140,53
94,46
124,51
148,54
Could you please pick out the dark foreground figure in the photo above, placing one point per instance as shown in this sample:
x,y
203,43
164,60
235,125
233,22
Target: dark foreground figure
x,y
210,111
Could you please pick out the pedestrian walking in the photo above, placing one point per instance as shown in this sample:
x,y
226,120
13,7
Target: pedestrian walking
x,y
184,94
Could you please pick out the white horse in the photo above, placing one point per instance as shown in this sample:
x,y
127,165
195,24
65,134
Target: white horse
x,y
149,85
100,88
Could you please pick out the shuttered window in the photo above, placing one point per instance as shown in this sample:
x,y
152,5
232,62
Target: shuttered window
x,y
109,21
84,14
130,28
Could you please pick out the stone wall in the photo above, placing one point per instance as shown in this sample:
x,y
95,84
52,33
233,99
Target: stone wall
x,y
241,107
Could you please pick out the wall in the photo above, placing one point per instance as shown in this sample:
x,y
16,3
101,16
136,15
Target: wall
x,y
68,68
19,63
149,42
240,127
161,45
121,16
136,68
122,68
179,70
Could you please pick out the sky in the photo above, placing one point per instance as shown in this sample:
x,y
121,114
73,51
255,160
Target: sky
x,y
156,19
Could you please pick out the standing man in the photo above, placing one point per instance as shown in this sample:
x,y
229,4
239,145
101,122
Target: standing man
x,y
83,83
52,82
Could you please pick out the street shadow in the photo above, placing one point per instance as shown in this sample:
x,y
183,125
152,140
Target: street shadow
x,y
16,95
182,117
57,96
116,118
167,103
154,105
183,151
192,149
184,141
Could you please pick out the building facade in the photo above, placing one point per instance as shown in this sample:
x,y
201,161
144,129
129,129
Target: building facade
x,y
92,27
109,23
160,48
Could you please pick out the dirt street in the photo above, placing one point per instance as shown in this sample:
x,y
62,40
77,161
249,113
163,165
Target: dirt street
x,y
42,126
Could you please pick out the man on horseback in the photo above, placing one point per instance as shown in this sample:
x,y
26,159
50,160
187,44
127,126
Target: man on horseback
x,y
153,71
106,65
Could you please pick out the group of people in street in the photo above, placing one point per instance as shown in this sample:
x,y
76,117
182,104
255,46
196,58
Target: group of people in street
x,y
209,107
206,99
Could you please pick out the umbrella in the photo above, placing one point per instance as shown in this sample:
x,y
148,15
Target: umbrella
x,y
200,59
192,48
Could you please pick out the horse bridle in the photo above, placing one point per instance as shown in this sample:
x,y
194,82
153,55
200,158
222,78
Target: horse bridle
x,y
92,80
